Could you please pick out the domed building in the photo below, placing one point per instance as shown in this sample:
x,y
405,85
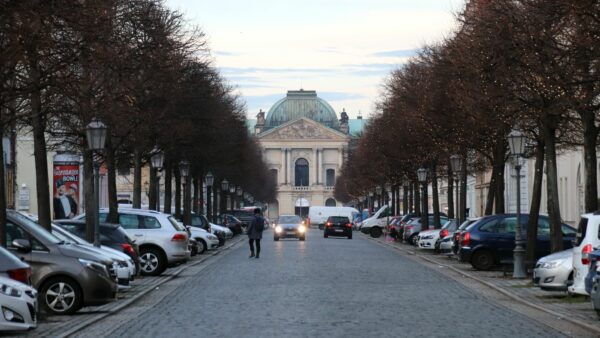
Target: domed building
x,y
305,144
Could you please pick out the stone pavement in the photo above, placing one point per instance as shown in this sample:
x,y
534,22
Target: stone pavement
x,y
564,306
59,326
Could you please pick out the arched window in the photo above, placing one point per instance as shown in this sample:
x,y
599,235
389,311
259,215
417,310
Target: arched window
x,y
301,171
330,202
330,178
273,173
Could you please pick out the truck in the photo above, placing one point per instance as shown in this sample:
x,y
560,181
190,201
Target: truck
x,y
318,215
375,224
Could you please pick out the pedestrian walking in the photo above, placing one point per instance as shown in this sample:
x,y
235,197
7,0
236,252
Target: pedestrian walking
x,y
255,230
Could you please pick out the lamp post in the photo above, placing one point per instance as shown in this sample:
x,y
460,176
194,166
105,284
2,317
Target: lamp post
x,y
184,170
422,176
370,202
456,166
378,191
223,199
516,142
239,192
156,161
232,196
96,133
208,180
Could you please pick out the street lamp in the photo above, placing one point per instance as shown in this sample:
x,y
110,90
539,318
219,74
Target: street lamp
x,y
223,199
184,170
156,161
422,177
516,142
371,203
456,166
209,179
232,196
378,190
239,192
96,133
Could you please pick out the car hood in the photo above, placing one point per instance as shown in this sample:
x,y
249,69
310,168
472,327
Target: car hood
x,y
74,251
565,254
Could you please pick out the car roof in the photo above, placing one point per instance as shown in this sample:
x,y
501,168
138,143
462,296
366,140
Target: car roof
x,y
72,221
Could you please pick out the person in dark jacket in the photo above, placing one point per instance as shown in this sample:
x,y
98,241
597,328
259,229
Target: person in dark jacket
x,y
255,230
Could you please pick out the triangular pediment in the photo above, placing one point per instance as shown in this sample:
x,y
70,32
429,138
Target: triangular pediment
x,y
302,129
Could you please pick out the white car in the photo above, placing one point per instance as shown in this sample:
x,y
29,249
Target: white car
x,y
228,233
427,239
19,305
205,239
446,245
586,240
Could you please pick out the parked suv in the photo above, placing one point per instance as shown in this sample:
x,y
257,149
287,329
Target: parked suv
x,y
586,241
338,226
162,240
66,276
491,240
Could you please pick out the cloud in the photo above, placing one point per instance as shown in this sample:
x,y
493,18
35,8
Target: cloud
x,y
225,53
397,53
340,96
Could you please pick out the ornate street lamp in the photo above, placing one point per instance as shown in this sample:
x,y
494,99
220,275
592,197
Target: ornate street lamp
x,y
378,190
422,177
184,170
96,132
157,161
209,179
516,142
225,185
232,196
239,192
456,166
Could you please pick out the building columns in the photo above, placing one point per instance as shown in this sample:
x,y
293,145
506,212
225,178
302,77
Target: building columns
x,y
320,168
282,170
315,175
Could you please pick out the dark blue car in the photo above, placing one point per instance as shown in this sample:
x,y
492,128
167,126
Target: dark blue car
x,y
491,240
594,256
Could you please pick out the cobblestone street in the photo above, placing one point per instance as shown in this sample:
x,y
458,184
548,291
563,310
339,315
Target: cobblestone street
x,y
321,287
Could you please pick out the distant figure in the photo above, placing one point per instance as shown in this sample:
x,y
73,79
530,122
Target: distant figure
x,y
255,230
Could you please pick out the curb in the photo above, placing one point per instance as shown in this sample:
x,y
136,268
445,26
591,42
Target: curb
x,y
594,329
135,298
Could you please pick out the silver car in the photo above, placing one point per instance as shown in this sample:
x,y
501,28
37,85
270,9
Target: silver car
x,y
162,241
555,271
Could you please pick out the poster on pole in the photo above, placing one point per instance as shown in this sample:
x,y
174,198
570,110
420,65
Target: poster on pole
x,y
66,189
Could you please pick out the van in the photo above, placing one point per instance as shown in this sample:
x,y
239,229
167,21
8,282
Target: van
x,y
375,224
319,215
586,241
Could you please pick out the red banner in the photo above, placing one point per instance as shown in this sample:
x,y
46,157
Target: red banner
x,y
66,190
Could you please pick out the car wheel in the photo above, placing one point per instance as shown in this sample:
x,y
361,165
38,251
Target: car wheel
x,y
201,246
482,260
276,239
350,236
194,251
61,296
325,235
152,262
412,240
375,232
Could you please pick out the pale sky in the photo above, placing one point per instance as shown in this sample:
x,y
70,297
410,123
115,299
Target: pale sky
x,y
343,49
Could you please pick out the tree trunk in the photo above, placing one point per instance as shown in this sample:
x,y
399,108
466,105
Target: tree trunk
x,y
590,135
463,191
177,192
393,201
418,203
195,198
88,190
152,189
425,209
137,179
435,199
215,205
113,204
167,208
2,194
450,194
491,193
499,163
536,199
201,196
405,200
549,125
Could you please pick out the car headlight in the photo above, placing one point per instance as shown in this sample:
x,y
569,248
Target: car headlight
x,y
213,237
10,291
550,265
301,229
98,267
278,229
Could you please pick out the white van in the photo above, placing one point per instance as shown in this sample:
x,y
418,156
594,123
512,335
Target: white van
x,y
319,215
587,240
375,224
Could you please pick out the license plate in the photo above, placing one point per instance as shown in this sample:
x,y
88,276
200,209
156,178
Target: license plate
x,y
290,233
339,230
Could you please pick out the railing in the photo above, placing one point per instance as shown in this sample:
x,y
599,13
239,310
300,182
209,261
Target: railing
x,y
329,188
300,188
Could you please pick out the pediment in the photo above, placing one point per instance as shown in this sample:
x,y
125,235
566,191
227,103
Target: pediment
x,y
302,129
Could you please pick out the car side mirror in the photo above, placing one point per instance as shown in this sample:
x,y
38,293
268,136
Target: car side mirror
x,y
22,245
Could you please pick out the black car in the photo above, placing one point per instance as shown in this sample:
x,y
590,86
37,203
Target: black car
x,y
289,226
111,235
231,222
338,226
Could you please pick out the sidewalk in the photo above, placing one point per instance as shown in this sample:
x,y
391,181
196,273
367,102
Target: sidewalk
x,y
576,309
62,326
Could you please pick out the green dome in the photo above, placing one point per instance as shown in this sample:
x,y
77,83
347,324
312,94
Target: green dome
x,y
301,103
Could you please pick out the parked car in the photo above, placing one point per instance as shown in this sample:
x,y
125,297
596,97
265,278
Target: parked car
x,y
375,224
338,226
445,245
289,226
446,232
594,257
586,241
66,276
427,239
201,231
162,240
491,240
19,305
111,235
223,232
12,267
412,229
232,223
595,293
245,216
555,271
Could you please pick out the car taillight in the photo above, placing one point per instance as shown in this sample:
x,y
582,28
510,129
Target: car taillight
x,y
349,225
21,275
128,249
443,233
329,224
466,239
179,238
585,254
308,221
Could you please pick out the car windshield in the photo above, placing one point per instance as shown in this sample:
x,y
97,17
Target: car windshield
x,y
289,219
178,226
36,230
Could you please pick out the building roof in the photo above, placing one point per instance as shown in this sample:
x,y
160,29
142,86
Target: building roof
x,y
301,103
